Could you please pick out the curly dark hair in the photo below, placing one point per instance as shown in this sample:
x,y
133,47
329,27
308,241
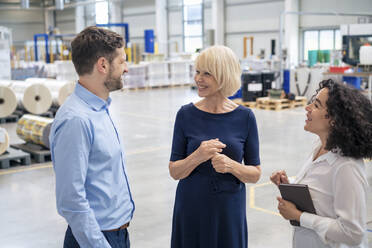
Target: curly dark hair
x,y
91,44
350,113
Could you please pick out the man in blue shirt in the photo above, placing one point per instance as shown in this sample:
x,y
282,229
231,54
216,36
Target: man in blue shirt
x,y
92,189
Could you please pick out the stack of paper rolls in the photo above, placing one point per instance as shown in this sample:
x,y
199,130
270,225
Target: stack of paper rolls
x,y
34,129
8,99
60,89
4,140
65,70
66,90
34,97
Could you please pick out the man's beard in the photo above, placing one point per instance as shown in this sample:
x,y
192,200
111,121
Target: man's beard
x,y
112,83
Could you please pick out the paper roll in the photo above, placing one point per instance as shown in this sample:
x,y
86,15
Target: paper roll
x,y
34,97
34,129
8,101
4,140
60,89
6,83
65,91
18,88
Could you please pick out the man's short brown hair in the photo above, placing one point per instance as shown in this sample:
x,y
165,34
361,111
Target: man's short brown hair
x,y
91,44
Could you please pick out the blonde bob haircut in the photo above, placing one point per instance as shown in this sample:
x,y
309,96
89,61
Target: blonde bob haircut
x,y
223,65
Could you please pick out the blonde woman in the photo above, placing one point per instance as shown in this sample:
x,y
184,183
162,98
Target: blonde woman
x,y
211,139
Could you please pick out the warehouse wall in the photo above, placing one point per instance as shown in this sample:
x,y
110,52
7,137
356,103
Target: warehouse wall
x,y
260,20
65,20
175,19
90,15
140,15
257,18
207,17
341,6
23,23
175,27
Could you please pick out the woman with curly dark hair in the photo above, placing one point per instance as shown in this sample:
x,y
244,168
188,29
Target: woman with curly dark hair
x,y
335,172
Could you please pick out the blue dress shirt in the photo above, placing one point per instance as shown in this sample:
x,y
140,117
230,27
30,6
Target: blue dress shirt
x,y
92,189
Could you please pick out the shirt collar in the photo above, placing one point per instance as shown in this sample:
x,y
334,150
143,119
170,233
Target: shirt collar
x,y
330,156
91,99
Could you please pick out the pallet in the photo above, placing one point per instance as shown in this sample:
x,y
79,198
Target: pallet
x,y
273,107
13,157
38,153
53,110
9,119
300,101
267,103
180,85
246,104
50,113
137,88
159,86
149,87
271,101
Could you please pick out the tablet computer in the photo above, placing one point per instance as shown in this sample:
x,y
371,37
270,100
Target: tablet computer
x,y
299,195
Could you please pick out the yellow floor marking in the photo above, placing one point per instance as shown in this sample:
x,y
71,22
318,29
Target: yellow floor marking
x,y
252,199
37,167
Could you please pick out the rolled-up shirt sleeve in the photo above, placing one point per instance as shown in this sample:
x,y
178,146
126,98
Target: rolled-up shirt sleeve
x,y
71,143
350,207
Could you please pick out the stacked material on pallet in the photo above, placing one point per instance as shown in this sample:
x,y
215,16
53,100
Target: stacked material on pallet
x,y
34,129
60,89
158,73
34,97
4,140
180,72
8,99
136,77
66,71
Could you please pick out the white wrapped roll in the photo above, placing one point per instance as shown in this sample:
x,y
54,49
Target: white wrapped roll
x,y
8,99
6,83
66,90
66,71
34,97
34,129
60,89
4,140
365,55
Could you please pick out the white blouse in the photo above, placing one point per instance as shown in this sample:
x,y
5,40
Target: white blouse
x,y
338,187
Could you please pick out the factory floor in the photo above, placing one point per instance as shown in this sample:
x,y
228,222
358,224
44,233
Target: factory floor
x,y
145,119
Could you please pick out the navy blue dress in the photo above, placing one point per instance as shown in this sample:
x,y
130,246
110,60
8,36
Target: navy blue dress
x,y
210,207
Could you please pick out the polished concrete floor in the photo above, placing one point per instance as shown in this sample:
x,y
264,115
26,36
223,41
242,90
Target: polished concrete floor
x,y
28,217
